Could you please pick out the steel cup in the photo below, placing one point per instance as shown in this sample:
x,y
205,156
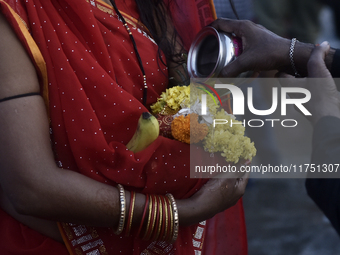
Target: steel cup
x,y
211,51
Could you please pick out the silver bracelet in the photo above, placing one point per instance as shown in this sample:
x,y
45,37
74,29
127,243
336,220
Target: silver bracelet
x,y
176,218
291,57
122,210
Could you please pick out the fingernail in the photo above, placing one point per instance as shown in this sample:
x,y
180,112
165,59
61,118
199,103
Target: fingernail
x,y
325,43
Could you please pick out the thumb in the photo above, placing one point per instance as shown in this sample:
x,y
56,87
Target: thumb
x,y
316,64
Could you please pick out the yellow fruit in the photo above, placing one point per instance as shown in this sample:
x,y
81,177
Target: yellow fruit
x,y
147,131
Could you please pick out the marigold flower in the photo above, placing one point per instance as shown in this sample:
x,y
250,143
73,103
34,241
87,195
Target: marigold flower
x,y
172,98
188,130
229,140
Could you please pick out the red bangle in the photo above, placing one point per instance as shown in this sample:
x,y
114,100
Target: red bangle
x,y
147,227
144,214
130,215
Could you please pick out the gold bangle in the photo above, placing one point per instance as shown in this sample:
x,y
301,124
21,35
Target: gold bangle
x,y
166,218
171,216
153,219
132,207
122,210
175,215
160,218
149,217
159,223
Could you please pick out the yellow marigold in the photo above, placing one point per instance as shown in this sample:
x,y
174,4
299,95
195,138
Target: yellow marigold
x,y
158,106
229,140
174,98
187,131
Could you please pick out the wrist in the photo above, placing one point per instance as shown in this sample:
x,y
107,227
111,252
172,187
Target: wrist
x,y
192,211
302,54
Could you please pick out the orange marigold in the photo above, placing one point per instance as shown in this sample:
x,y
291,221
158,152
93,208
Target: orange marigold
x,y
180,129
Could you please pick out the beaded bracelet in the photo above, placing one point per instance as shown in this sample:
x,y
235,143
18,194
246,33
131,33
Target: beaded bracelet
x,y
175,218
122,210
291,57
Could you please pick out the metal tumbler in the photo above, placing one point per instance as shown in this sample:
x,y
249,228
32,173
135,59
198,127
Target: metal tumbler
x,y
211,51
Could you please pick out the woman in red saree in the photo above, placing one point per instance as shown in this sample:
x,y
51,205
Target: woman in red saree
x,y
92,86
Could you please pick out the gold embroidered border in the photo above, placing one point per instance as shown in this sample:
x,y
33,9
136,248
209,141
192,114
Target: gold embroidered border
x,y
105,9
213,10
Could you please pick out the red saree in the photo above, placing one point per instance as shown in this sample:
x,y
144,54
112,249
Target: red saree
x,y
93,86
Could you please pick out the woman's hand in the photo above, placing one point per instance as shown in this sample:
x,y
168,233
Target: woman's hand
x,y
217,195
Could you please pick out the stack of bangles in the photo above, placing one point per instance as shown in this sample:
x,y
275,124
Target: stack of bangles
x,y
162,222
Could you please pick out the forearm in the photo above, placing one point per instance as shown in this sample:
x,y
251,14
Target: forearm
x,y
84,201
36,186
190,212
68,196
